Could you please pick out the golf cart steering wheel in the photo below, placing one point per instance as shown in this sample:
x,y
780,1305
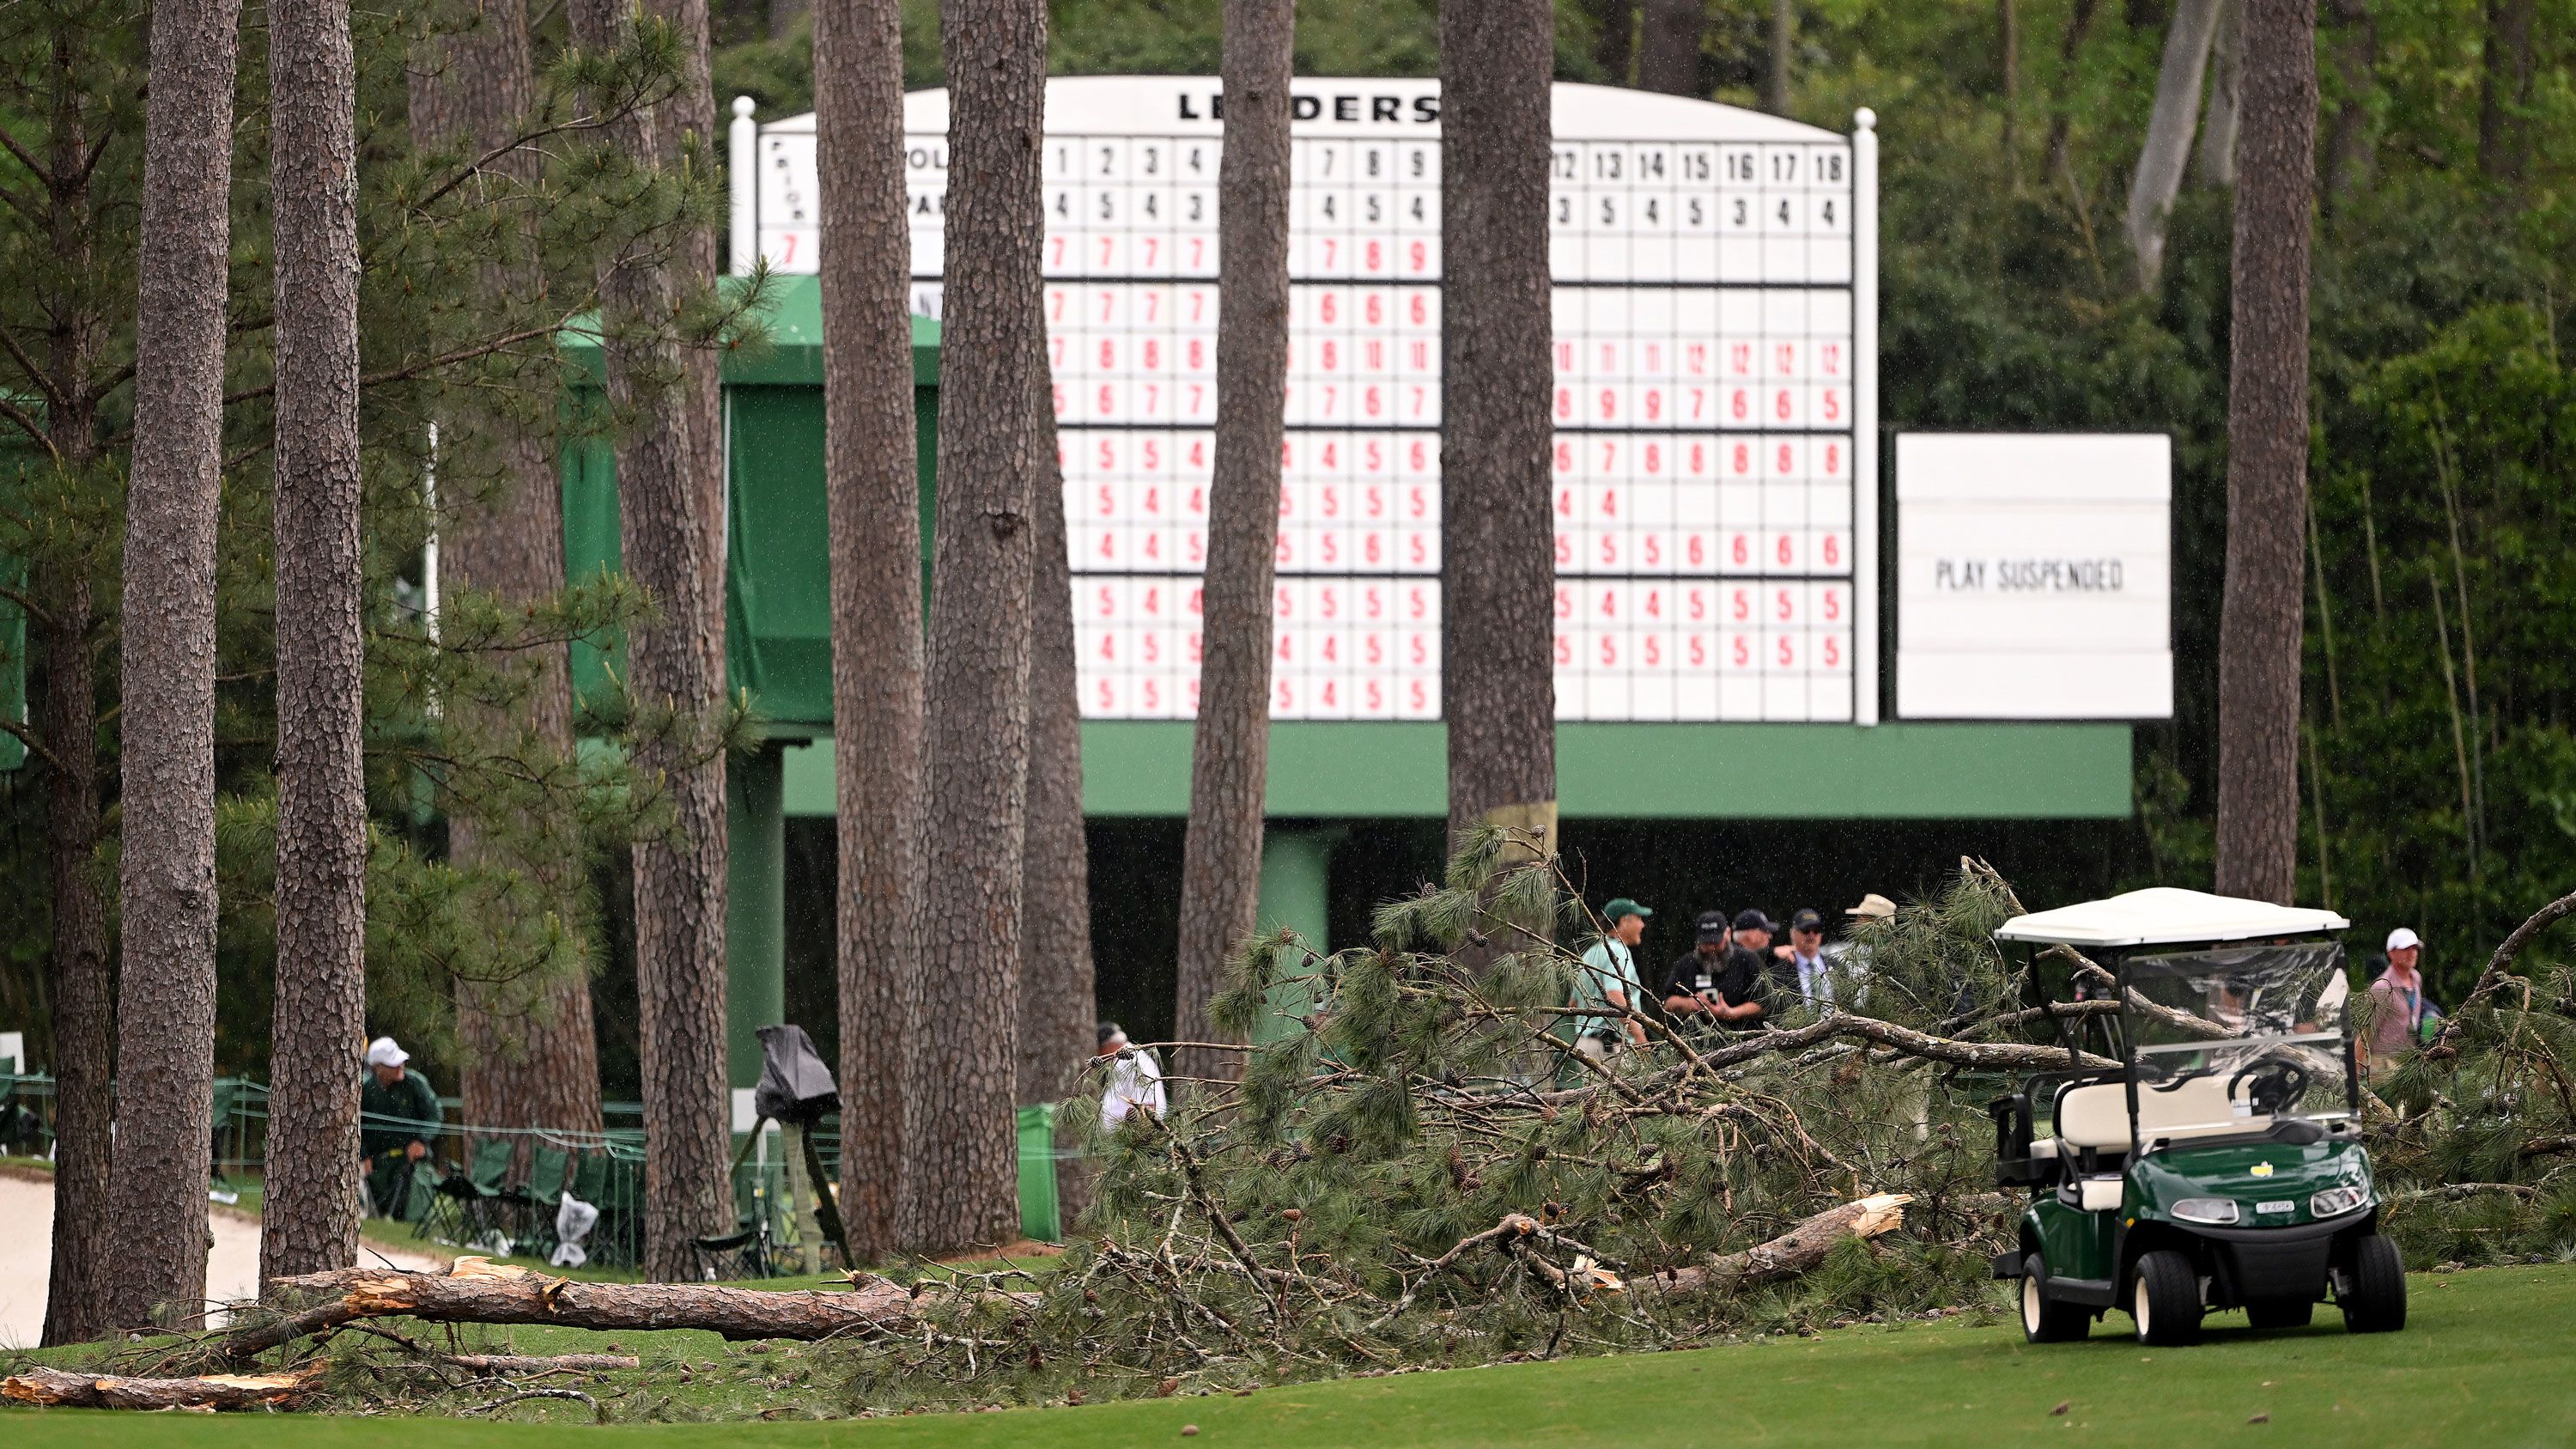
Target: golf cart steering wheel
x,y
2271,1085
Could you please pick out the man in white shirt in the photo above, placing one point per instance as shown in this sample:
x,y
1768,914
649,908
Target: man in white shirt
x,y
1135,1078
1807,967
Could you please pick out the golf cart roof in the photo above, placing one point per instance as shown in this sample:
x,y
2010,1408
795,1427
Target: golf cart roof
x,y
2165,915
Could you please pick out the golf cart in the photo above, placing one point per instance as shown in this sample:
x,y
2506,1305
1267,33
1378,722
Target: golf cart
x,y
2214,1163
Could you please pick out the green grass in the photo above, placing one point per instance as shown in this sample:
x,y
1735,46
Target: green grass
x,y
2487,1358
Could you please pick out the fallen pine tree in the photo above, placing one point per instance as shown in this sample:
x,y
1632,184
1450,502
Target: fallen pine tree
x,y
478,1291
63,1388
1416,1171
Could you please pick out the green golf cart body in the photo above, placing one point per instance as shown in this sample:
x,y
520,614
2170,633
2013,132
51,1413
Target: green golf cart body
x,y
2199,1150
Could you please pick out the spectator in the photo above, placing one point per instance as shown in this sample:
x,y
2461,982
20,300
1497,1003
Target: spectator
x,y
398,1114
1135,1078
1808,971
1609,980
1872,907
1691,987
2404,1013
1744,987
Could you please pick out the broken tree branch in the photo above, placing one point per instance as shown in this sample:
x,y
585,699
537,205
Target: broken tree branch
x,y
36,1385
1794,1251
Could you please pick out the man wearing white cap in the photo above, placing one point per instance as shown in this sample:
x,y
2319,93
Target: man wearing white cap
x,y
398,1113
2404,1012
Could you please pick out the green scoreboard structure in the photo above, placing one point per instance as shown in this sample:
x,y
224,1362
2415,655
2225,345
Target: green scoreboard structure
x,y
1718,490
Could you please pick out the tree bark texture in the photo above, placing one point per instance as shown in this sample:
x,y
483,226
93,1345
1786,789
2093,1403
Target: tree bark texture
x,y
2504,90
1230,746
1668,52
60,1388
874,505
475,1291
2260,621
958,1124
165,1060
689,114
1498,585
674,664
76,1306
2356,61
2166,153
311,1222
1057,1006
531,1057
1784,44
2215,165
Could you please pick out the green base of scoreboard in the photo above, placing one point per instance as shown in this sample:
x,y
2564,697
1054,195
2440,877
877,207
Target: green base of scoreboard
x,y
1622,771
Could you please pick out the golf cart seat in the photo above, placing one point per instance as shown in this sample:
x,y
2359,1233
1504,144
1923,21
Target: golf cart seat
x,y
2095,1115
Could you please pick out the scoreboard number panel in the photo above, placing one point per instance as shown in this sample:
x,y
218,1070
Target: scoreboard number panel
x,y
1714,463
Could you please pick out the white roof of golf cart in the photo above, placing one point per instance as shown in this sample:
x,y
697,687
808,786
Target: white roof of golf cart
x,y
2166,915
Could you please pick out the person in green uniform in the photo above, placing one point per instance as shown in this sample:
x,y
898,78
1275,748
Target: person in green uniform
x,y
398,1114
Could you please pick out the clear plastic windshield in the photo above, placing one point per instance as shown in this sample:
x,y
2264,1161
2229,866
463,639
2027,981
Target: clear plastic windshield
x,y
2233,1040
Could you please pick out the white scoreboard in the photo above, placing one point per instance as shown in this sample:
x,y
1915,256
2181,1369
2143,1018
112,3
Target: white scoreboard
x,y
1715,401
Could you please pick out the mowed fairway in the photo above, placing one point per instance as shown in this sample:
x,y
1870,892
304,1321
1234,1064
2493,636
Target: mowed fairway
x,y
2488,1358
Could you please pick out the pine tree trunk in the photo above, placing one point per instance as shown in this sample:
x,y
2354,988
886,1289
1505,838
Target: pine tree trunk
x,y
958,1124
2504,90
874,504
2061,120
1668,57
84,1018
691,113
1230,748
2260,624
1498,625
165,1061
311,1221
531,1058
1784,44
1057,1006
2356,59
2216,163
2167,149
674,664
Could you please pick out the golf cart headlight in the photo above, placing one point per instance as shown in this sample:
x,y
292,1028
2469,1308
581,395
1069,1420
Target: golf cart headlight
x,y
2206,1210
2335,1201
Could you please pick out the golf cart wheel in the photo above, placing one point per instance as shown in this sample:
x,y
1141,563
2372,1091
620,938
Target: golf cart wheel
x,y
2044,1321
2272,1313
2164,1298
2373,1296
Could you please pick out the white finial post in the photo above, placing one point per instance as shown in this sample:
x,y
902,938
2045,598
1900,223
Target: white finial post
x,y
1865,478
742,167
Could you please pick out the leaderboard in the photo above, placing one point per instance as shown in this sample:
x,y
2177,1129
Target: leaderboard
x,y
1707,401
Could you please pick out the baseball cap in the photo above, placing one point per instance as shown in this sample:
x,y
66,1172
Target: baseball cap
x,y
382,1052
1111,1031
1752,919
2403,937
1807,918
1712,925
1875,906
1623,906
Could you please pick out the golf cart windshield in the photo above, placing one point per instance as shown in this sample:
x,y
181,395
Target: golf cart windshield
x,y
2238,1038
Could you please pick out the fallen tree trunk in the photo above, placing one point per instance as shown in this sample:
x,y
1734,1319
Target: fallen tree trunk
x,y
107,1391
1794,1251
475,1291
521,1363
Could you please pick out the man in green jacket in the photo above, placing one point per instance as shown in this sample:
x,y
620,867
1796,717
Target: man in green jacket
x,y
398,1115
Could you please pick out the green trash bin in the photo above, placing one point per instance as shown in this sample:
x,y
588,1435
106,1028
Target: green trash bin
x,y
1038,1217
